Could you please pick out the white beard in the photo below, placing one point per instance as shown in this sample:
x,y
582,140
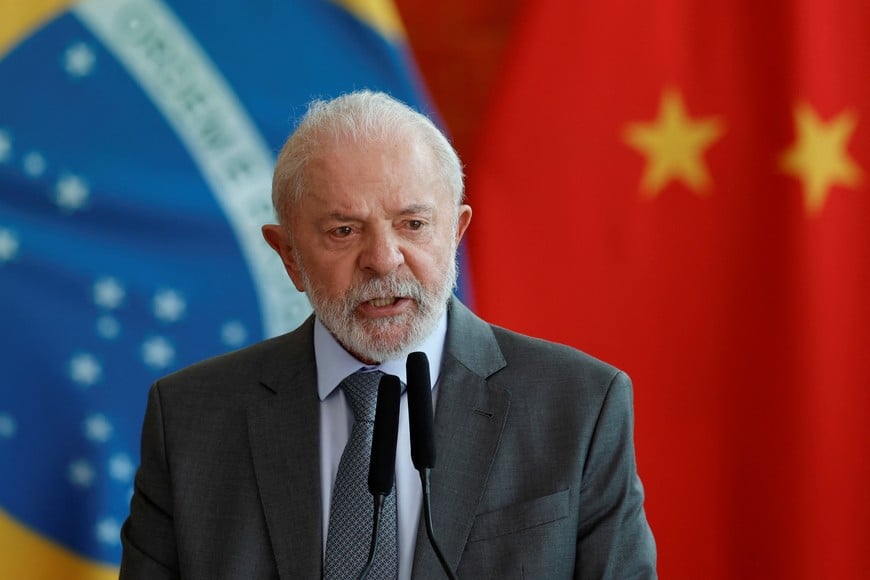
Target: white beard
x,y
387,338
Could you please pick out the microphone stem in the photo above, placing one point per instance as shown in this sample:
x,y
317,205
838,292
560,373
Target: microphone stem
x,y
427,516
376,524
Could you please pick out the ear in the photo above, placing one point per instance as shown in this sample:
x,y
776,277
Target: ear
x,y
462,222
276,236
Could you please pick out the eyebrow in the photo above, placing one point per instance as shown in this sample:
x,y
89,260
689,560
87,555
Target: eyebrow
x,y
413,209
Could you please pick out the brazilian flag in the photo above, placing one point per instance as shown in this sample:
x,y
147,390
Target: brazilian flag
x,y
137,142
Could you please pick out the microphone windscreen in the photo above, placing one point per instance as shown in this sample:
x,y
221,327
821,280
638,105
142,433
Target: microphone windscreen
x,y
382,466
420,411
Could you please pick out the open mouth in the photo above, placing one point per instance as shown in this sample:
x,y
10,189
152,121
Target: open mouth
x,y
381,302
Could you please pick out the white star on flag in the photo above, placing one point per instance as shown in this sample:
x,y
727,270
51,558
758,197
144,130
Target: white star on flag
x,y
98,428
71,193
8,426
85,369
34,164
79,60
233,333
81,473
121,468
169,305
108,327
108,293
8,245
157,352
5,146
109,531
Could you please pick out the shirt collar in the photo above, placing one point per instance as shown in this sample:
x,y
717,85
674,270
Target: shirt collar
x,y
334,363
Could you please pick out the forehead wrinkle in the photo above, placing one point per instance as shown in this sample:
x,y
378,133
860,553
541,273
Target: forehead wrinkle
x,y
343,217
418,208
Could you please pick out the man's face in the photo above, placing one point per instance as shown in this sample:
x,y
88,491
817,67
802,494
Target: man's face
x,y
373,245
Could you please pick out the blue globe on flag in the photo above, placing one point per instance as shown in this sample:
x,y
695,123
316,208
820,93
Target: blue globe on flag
x,y
137,142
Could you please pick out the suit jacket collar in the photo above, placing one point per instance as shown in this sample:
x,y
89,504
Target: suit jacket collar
x,y
469,420
471,342
283,431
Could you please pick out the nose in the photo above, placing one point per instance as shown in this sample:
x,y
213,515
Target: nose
x,y
381,252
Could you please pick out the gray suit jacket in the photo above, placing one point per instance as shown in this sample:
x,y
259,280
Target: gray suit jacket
x,y
535,475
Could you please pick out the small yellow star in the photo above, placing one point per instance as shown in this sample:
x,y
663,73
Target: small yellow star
x,y
674,146
818,157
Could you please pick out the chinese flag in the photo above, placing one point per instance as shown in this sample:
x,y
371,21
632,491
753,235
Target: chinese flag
x,y
682,188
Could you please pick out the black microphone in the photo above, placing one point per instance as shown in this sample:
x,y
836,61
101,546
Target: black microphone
x,y
423,438
420,411
382,468
382,465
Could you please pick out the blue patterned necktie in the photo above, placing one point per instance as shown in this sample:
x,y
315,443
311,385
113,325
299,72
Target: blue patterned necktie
x,y
350,515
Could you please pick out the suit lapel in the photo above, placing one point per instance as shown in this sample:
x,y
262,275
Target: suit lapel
x,y
283,430
469,419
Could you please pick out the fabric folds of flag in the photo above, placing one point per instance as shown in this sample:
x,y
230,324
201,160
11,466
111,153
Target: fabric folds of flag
x,y
683,188
137,139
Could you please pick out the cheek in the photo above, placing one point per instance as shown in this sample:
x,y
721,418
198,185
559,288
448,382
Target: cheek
x,y
430,267
332,277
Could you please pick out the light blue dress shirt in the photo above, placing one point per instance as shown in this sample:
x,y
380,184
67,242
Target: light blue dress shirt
x,y
336,419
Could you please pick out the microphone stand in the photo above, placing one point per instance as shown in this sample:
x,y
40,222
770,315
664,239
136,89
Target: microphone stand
x,y
376,524
427,517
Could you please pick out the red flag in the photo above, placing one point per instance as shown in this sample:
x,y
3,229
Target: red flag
x,y
683,189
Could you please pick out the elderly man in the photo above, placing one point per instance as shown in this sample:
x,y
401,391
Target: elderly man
x,y
241,473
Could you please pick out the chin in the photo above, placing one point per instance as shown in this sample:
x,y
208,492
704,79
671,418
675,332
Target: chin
x,y
386,340
380,353
384,343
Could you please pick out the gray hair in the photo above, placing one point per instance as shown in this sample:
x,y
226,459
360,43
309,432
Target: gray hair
x,y
361,117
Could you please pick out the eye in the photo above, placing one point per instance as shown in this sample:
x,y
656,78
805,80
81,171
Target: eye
x,y
416,225
342,231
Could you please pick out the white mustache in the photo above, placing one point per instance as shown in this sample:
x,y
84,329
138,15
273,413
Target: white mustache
x,y
384,287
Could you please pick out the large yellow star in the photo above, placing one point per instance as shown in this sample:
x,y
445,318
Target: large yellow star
x,y
819,157
674,146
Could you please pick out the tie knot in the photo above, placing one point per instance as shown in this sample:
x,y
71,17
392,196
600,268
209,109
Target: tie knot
x,y
361,389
